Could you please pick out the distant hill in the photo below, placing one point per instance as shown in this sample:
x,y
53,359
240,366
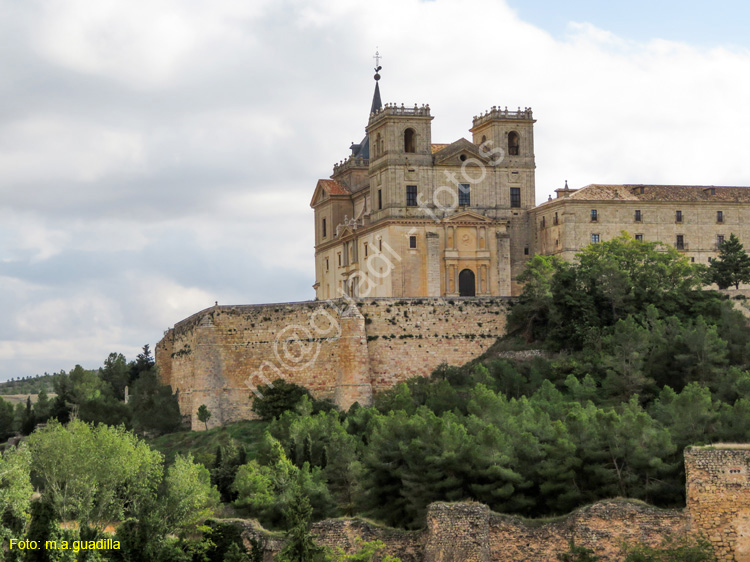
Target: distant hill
x,y
28,385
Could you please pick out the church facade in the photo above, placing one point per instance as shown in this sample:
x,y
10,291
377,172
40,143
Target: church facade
x,y
405,217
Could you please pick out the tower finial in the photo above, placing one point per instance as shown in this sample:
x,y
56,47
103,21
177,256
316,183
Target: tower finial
x,y
377,58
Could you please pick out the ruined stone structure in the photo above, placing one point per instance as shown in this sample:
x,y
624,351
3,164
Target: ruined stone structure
x,y
718,498
341,350
718,508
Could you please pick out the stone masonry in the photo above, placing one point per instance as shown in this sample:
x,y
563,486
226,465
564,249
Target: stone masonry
x,y
718,508
342,350
718,498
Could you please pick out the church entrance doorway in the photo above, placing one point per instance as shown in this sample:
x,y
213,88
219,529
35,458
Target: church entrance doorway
x,y
466,285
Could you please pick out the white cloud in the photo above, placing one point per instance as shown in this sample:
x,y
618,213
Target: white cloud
x,y
157,156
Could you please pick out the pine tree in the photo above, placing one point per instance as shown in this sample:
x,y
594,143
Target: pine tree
x,y
204,414
732,267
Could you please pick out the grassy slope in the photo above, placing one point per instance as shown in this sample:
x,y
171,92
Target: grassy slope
x,y
203,444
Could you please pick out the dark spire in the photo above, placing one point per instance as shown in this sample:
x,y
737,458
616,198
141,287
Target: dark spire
x,y
376,103
362,150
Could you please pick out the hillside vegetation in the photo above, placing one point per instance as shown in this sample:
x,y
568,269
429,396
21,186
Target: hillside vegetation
x,y
638,363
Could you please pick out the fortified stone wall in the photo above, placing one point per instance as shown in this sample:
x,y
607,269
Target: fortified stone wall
x,y
718,498
338,350
718,508
470,532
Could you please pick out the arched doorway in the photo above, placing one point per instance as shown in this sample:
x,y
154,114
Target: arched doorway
x,y
466,283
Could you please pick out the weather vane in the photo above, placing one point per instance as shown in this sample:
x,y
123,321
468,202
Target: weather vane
x,y
377,58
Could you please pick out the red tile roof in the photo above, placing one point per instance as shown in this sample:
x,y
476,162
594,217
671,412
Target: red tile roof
x,y
332,187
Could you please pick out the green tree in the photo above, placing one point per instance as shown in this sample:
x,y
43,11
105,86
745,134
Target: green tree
x,y
204,414
155,409
94,474
732,266
267,491
278,397
531,314
42,407
15,492
300,545
189,496
144,363
6,420
116,372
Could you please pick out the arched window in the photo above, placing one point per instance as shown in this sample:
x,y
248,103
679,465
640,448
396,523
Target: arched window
x,y
513,143
484,139
409,135
377,146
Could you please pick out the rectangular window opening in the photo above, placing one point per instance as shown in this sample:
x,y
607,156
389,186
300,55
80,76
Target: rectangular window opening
x,y
515,196
638,215
719,216
678,216
411,195
594,215
680,242
639,237
594,238
412,242
464,195
380,199
325,231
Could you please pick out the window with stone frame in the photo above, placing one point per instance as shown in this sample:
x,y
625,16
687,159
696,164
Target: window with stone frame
x,y
594,238
514,143
411,195
515,196
412,242
464,195
638,217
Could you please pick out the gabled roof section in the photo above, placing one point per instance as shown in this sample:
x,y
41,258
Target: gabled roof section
x,y
455,148
328,188
656,193
467,216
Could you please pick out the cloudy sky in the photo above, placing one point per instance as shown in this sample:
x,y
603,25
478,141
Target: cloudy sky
x,y
157,156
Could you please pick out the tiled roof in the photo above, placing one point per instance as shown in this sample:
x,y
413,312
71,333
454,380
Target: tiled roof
x,y
632,192
333,187
438,147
